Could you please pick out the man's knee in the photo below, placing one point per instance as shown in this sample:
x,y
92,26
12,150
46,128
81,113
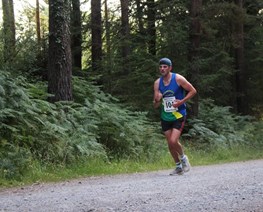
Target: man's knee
x,y
173,141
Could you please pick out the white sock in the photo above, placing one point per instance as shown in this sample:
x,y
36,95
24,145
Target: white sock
x,y
178,164
182,156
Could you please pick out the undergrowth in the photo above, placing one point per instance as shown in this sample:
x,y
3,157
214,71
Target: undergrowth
x,y
94,125
96,135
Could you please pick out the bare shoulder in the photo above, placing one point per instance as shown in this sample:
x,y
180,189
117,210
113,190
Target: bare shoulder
x,y
180,79
156,83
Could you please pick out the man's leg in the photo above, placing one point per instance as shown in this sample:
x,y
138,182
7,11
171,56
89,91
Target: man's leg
x,y
176,145
176,150
172,137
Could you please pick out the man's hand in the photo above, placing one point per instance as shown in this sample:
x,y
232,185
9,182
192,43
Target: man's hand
x,y
158,97
177,103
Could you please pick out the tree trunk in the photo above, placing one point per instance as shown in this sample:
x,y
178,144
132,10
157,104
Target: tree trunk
x,y
125,35
38,24
76,36
241,103
151,27
96,33
60,64
193,54
9,30
108,48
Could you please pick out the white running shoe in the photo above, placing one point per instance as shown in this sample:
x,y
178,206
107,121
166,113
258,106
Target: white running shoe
x,y
185,163
177,171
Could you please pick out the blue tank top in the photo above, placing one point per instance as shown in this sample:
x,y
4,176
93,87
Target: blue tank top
x,y
169,92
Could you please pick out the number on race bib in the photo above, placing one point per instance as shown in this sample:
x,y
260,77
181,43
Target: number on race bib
x,y
168,104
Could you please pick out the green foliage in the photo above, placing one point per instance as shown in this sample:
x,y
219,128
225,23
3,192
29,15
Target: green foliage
x,y
123,132
217,56
95,125
14,160
218,127
48,132
254,41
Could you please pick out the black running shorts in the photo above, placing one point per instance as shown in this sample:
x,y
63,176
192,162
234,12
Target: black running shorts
x,y
177,124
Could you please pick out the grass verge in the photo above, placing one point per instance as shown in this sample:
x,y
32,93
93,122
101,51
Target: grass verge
x,y
38,173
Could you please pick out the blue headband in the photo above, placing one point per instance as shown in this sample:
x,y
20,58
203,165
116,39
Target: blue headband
x,y
165,61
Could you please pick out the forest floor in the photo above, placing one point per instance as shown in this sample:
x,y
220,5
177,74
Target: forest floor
x,y
226,187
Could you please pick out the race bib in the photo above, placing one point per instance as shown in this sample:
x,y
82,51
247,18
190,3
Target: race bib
x,y
168,104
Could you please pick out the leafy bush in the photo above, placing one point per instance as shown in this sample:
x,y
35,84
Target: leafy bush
x,y
122,132
217,126
14,161
47,132
95,125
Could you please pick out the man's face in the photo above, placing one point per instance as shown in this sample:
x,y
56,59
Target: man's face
x,y
164,69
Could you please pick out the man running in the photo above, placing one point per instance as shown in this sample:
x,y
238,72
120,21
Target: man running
x,y
169,92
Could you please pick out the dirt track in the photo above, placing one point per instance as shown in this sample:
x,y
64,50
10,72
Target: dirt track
x,y
228,187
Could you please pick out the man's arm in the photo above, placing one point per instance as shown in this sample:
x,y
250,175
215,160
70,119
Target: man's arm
x,y
157,94
191,91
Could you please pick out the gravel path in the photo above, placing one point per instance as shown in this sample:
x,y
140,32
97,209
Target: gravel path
x,y
228,187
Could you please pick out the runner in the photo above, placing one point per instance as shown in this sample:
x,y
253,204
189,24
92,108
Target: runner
x,y
169,92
